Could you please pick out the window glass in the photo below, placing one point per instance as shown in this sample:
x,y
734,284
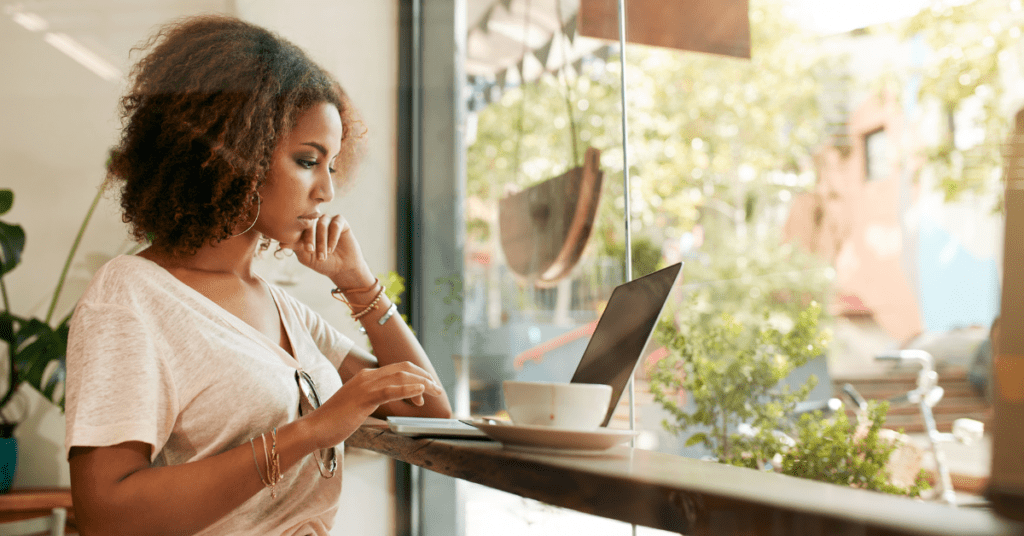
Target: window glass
x,y
809,187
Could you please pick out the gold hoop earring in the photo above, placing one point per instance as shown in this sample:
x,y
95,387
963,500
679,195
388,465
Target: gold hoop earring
x,y
259,203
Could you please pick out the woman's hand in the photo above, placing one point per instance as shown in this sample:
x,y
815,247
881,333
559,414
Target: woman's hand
x,y
329,247
361,395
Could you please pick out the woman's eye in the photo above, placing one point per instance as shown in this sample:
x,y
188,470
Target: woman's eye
x,y
331,170
308,164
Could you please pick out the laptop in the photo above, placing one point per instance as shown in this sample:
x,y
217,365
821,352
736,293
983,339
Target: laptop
x,y
611,356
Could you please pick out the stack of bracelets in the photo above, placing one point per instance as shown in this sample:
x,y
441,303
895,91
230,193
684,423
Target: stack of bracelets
x,y
368,308
273,462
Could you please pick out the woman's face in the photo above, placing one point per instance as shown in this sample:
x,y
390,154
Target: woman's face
x,y
299,179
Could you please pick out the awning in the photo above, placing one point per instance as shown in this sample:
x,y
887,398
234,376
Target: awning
x,y
513,40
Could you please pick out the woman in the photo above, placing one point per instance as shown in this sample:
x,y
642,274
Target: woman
x,y
193,384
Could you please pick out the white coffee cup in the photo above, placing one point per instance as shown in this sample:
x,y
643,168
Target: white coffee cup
x,y
569,406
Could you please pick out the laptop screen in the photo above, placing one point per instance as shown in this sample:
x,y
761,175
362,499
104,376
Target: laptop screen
x,y
622,332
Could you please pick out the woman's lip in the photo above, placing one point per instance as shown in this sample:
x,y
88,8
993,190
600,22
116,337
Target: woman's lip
x,y
310,216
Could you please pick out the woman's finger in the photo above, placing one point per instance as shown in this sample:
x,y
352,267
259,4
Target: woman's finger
x,y
392,393
308,239
334,233
410,373
321,237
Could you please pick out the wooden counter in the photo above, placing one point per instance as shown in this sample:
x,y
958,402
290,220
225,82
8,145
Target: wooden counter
x,y
30,503
681,494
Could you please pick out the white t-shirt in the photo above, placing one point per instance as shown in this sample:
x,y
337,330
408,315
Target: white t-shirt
x,y
151,359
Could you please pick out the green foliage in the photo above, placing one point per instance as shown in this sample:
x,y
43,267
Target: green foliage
x,y
732,373
702,127
745,278
451,289
394,286
839,452
965,76
36,350
12,237
646,254
34,347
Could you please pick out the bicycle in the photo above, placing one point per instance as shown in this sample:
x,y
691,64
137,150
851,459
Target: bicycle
x,y
926,395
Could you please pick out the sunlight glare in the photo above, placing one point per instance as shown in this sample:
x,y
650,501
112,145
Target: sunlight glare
x,y
837,16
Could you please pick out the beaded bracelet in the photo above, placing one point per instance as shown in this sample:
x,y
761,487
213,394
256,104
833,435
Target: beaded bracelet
x,y
340,294
370,308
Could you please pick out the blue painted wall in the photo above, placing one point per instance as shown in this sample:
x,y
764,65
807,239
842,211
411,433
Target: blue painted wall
x,y
956,288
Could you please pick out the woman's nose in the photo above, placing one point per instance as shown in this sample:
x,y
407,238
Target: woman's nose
x,y
324,191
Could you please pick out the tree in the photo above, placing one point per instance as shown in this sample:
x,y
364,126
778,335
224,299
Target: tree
x,y
742,411
847,453
707,133
971,44
732,373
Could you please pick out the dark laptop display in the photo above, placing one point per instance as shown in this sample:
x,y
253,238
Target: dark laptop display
x,y
613,353
622,332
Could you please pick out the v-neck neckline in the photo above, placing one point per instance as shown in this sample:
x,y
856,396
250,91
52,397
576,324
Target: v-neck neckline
x,y
291,360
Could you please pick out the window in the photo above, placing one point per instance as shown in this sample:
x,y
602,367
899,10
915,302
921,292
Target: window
x,y
737,170
876,155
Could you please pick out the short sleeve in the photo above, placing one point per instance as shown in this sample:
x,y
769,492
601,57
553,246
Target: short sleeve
x,y
119,386
332,343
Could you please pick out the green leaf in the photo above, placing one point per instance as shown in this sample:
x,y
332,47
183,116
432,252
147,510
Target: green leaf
x,y
25,330
6,200
31,361
34,348
7,323
12,242
53,382
696,438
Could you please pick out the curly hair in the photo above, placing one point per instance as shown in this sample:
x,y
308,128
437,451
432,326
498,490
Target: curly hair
x,y
200,122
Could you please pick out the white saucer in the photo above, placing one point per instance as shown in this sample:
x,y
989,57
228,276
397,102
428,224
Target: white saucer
x,y
536,438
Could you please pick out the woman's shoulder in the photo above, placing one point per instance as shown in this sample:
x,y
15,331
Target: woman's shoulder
x,y
123,279
126,266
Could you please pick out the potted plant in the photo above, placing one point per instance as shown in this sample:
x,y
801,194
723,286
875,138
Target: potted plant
x,y
35,347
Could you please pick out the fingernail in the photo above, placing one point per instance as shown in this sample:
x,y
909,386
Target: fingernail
x,y
323,256
310,248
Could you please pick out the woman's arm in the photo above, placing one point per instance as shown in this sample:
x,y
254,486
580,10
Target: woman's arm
x,y
393,342
116,490
330,248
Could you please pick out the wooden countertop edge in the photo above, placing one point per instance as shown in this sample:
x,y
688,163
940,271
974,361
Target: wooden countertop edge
x,y
31,499
675,493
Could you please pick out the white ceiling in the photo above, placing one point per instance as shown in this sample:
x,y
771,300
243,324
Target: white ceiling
x,y
106,28
110,28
